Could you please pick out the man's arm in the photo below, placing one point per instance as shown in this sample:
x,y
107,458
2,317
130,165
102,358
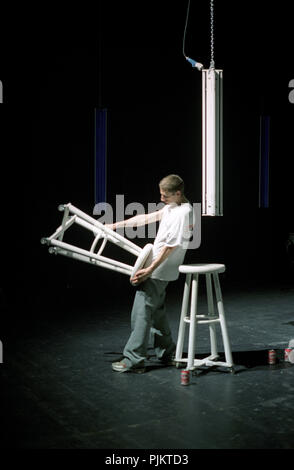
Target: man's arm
x,y
143,274
138,220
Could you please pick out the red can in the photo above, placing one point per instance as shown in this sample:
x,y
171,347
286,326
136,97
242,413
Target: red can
x,y
272,356
286,354
185,377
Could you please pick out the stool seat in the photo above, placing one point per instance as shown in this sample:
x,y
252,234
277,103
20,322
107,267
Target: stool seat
x,y
191,317
202,268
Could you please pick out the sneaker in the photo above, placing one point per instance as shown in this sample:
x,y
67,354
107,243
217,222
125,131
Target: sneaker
x,y
122,367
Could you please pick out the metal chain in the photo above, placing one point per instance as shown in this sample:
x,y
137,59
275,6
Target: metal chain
x,y
211,35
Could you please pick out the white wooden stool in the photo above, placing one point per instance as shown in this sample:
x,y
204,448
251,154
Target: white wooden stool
x,y
192,272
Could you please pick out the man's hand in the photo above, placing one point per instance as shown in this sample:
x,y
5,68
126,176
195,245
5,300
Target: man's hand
x,y
141,276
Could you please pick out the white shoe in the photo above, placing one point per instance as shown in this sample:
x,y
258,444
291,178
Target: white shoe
x,y
121,366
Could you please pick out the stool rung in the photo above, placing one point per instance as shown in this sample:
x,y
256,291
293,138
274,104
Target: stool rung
x,y
214,320
208,319
209,361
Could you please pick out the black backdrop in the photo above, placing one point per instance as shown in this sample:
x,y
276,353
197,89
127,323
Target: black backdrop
x,y
57,65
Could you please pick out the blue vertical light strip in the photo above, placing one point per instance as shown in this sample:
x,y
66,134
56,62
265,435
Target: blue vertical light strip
x,y
100,155
264,151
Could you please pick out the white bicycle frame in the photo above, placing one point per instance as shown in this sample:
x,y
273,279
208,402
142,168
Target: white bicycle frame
x,y
58,246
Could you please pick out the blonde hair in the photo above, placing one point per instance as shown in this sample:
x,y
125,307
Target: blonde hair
x,y
172,183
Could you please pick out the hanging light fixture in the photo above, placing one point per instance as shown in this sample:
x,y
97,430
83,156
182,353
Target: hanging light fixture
x,y
212,133
212,142
212,128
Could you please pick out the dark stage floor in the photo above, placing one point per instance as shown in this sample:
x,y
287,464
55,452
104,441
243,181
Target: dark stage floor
x,y
58,389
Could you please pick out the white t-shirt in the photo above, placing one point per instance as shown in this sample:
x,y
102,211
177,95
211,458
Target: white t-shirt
x,y
175,230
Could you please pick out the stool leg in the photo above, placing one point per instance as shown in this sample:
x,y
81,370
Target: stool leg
x,y
181,333
193,322
210,305
220,307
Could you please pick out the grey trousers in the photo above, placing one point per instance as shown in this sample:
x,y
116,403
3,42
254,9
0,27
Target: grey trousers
x,y
149,315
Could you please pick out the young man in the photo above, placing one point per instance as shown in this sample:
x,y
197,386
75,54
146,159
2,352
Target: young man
x,y
169,248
